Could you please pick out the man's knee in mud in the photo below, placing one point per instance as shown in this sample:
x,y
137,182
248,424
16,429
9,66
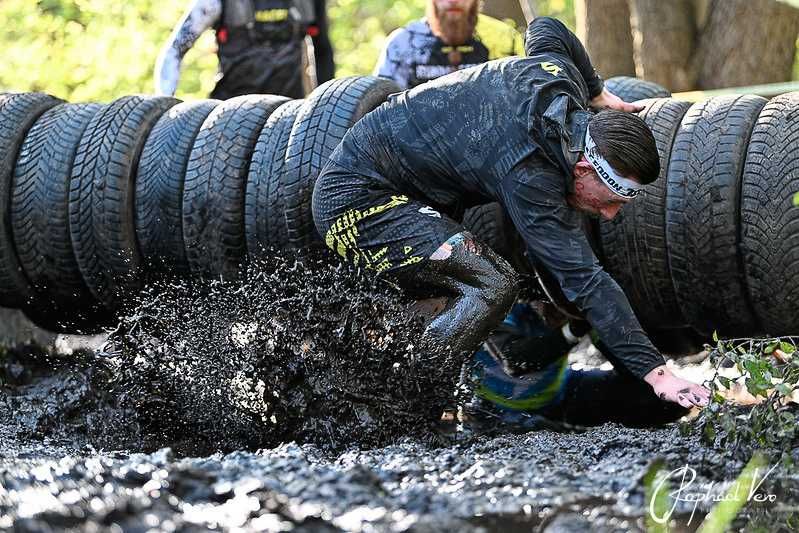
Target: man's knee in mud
x,y
484,274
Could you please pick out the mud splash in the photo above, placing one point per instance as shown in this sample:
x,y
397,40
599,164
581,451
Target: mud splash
x,y
310,351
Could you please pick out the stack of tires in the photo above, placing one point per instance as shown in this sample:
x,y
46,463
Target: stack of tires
x,y
96,197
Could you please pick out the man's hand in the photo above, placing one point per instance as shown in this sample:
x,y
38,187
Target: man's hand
x,y
611,101
671,388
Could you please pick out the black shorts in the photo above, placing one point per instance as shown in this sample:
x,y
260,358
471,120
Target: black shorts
x,y
369,224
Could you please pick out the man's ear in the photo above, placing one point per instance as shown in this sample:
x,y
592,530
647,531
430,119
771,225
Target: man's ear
x,y
583,168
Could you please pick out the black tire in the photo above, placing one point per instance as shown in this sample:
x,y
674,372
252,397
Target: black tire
x,y
101,206
330,110
490,225
632,89
216,181
264,212
634,242
703,215
18,112
40,221
159,185
769,219
678,342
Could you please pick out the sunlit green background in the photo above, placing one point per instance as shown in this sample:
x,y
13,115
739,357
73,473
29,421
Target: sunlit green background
x,y
84,50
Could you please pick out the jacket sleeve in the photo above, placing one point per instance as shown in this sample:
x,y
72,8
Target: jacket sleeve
x,y
534,195
548,35
323,49
202,15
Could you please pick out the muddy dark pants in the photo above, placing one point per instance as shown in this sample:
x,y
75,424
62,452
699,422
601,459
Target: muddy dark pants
x,y
370,224
593,397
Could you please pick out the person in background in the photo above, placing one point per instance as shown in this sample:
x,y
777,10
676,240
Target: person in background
x,y
452,36
260,45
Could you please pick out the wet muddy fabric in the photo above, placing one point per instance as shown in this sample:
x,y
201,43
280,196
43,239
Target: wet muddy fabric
x,y
376,227
414,54
510,131
523,365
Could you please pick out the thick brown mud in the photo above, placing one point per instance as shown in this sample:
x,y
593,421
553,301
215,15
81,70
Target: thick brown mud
x,y
296,399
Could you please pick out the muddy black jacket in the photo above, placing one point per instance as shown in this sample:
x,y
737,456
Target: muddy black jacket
x,y
509,130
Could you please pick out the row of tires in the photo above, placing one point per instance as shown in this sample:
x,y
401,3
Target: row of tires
x,y
713,244
97,198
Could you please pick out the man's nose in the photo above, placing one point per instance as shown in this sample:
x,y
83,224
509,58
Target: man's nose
x,y
610,211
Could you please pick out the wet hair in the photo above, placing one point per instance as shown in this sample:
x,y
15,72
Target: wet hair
x,y
627,143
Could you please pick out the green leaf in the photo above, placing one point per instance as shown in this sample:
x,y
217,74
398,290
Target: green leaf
x,y
796,199
709,433
770,348
725,382
784,389
715,336
787,347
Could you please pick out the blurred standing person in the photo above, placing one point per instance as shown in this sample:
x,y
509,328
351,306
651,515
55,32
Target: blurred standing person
x,y
452,36
260,44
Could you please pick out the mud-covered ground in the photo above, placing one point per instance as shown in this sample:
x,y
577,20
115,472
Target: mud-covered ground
x,y
299,399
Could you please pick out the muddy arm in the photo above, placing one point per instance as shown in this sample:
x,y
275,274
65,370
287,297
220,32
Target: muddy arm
x,y
553,235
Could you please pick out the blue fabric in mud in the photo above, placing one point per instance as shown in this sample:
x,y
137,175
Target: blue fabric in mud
x,y
493,366
509,131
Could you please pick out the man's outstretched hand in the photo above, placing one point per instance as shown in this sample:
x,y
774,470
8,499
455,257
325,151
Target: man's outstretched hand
x,y
611,101
671,388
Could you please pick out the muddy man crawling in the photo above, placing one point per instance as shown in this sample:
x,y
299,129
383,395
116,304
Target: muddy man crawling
x,y
517,131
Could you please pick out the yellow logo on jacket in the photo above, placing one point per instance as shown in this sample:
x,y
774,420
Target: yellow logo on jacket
x,y
550,67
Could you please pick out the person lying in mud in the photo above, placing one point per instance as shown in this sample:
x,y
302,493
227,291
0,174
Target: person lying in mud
x,y
517,131
522,380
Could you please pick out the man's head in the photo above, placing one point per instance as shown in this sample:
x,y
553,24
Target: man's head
x,y
453,21
620,157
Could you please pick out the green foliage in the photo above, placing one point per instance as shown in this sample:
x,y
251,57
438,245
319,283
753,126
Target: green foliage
x,y
93,49
770,372
98,50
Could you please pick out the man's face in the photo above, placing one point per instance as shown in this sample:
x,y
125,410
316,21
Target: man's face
x,y
591,195
451,11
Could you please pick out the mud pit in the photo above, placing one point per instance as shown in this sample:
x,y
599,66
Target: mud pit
x,y
320,418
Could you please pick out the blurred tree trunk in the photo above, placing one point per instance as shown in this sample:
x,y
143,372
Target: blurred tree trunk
x,y
747,42
706,44
604,28
663,36
506,9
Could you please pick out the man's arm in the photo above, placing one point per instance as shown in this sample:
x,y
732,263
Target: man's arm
x,y
546,34
202,15
323,49
393,61
535,200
